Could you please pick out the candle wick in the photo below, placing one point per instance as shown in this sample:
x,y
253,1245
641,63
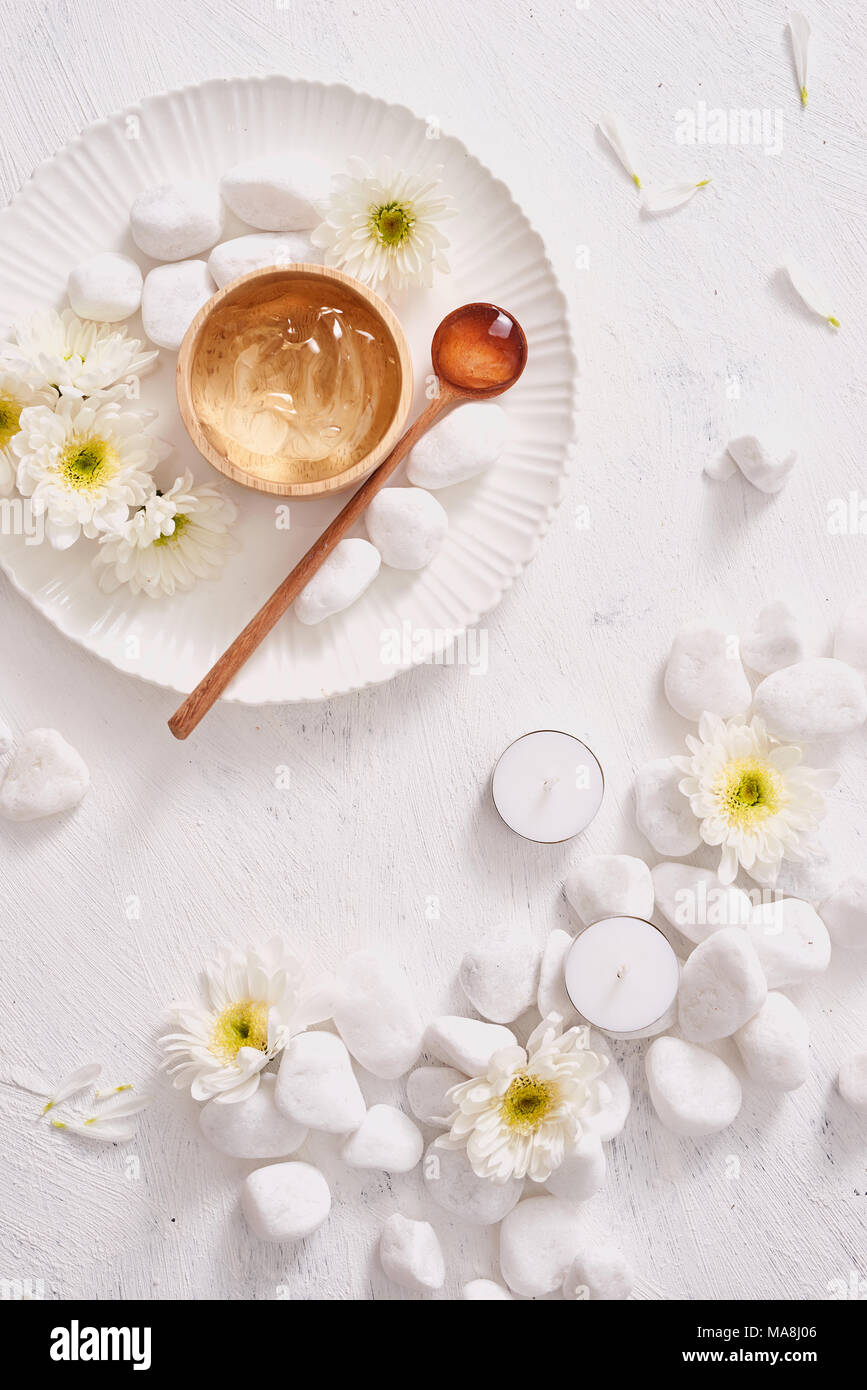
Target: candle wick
x,y
551,782
621,972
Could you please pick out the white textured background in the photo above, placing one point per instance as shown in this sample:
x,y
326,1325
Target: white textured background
x,y
388,802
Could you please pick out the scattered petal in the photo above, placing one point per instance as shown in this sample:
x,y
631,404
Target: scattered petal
x,y
620,141
814,296
77,1081
110,1091
666,197
799,28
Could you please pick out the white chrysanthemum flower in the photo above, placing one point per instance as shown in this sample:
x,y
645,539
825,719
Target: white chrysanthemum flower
x,y
176,538
85,464
256,1001
16,395
76,356
381,226
525,1115
751,795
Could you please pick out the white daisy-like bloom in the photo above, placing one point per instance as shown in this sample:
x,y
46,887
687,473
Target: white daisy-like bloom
x,y
381,226
76,356
752,795
85,464
256,1000
175,539
526,1115
16,395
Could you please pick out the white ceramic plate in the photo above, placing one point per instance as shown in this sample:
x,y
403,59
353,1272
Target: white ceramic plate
x,y
76,204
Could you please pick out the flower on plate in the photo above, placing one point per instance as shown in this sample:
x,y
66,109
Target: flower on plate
x,y
75,356
381,226
255,1001
175,538
751,794
16,395
85,464
525,1115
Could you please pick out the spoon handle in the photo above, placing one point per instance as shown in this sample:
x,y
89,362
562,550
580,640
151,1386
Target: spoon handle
x,y
211,686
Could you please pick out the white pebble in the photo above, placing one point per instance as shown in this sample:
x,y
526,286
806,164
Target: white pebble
x,y
775,1045
500,973
426,1094
7,738
615,1100
852,1081
460,445
599,1272
721,467
376,1015
610,885
278,192
411,1254
844,913
316,1085
484,1290
551,997
45,776
454,1186
351,568
251,1128
232,259
775,641
812,699
662,812
581,1174
812,879
172,296
704,672
792,941
106,288
538,1241
759,466
722,985
285,1201
850,640
693,1091
177,220
407,525
694,900
387,1139
467,1043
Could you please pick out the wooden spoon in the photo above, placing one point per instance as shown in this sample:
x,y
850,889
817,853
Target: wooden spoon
x,y
478,351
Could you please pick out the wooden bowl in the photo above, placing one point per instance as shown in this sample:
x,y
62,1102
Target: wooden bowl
x,y
233,385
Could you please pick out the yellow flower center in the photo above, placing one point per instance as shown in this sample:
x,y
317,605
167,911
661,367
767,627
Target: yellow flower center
x,y
749,790
10,418
87,463
391,223
181,522
526,1103
242,1024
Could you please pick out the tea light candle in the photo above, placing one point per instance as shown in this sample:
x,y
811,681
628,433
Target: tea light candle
x,y
547,786
622,975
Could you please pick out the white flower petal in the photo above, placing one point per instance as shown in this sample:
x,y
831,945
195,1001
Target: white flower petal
x,y
76,1081
667,197
799,29
620,141
814,296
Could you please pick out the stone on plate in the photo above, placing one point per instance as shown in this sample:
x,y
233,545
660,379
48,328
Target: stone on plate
x,y
172,296
812,699
407,525
844,913
500,973
852,1081
538,1242
316,1085
387,1139
177,220
467,1043
758,464
704,672
551,997
693,1091
662,812
243,254
484,1291
581,1174
850,640
45,776
285,1201
609,1116
426,1093
599,1272
775,1044
454,1186
722,985
375,1013
776,639
278,192
251,1128
694,900
106,288
351,568
610,885
411,1255
460,445
792,941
